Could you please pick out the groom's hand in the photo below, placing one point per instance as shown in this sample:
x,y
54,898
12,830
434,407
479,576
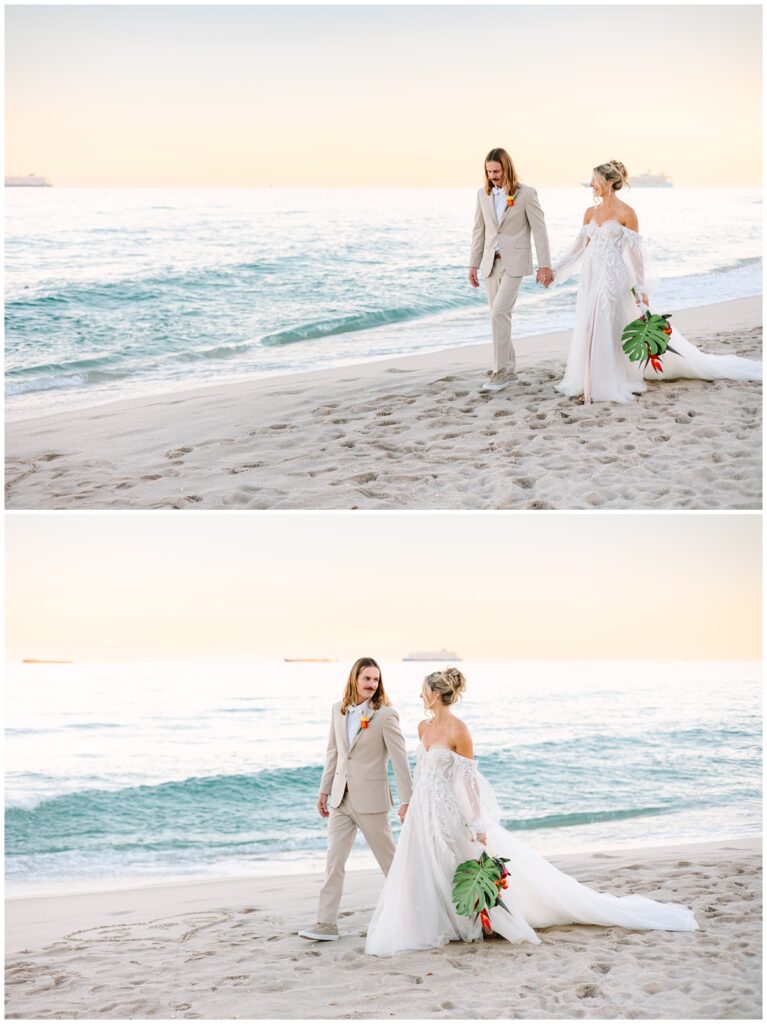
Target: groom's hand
x,y
402,812
474,282
544,276
322,805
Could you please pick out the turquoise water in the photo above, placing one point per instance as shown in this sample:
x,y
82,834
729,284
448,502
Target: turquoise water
x,y
117,773
124,291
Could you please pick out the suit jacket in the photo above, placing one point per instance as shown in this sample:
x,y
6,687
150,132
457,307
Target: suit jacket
x,y
512,234
361,766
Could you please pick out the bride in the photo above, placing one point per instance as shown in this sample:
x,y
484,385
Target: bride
x,y
614,260
453,815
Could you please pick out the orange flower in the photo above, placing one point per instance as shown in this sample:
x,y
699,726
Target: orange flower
x,y
364,722
510,201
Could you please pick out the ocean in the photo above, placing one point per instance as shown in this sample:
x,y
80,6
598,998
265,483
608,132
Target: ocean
x,y
118,292
129,773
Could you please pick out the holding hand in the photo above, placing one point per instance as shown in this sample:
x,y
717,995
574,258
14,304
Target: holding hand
x,y
402,812
544,276
473,280
322,805
482,838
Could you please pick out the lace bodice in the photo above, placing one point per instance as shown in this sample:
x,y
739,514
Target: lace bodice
x,y
612,257
446,785
436,767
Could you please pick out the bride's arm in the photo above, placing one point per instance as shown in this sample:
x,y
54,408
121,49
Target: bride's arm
x,y
636,257
468,776
570,260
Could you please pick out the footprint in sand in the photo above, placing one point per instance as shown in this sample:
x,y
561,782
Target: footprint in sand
x,y
176,453
602,968
246,466
587,991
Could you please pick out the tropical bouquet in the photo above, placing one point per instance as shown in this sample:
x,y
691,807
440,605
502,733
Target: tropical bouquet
x,y
477,887
647,338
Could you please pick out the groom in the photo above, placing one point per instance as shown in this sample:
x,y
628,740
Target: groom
x,y
364,734
507,212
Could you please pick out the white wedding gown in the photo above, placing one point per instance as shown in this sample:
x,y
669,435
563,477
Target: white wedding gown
x,y
613,261
451,802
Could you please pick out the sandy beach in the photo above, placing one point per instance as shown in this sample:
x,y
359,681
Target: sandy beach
x,y
411,433
228,949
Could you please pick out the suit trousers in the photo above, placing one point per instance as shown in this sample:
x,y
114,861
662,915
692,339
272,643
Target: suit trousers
x,y
502,293
342,828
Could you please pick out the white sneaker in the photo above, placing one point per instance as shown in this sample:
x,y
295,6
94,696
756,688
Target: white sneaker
x,y
498,380
321,932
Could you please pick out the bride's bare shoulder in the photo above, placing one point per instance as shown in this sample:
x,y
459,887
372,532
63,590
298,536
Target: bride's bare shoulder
x,y
588,215
421,726
628,217
460,738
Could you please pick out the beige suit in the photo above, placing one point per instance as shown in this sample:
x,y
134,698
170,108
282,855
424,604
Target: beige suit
x,y
356,781
503,276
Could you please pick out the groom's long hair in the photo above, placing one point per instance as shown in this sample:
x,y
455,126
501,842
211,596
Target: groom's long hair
x,y
510,179
350,692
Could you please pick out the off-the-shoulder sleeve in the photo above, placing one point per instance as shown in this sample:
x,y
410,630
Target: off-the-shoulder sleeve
x,y
636,260
564,267
468,795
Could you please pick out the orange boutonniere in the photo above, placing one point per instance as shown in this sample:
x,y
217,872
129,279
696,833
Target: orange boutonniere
x,y
510,199
365,722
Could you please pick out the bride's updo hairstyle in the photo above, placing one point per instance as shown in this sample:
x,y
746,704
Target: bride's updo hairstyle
x,y
447,685
614,173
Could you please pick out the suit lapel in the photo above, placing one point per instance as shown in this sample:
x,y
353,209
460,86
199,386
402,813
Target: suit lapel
x,y
491,200
344,732
503,215
360,731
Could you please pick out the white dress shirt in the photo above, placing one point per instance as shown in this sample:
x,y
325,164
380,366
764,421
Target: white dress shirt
x,y
500,197
353,717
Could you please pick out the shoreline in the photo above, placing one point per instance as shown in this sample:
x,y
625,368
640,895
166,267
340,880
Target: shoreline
x,y
110,886
190,389
400,360
410,432
229,949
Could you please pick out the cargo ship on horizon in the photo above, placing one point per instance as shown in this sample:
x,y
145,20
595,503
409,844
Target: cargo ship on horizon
x,y
646,180
28,181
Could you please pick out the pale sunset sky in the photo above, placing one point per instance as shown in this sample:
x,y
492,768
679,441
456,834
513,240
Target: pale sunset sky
x,y
493,586
305,96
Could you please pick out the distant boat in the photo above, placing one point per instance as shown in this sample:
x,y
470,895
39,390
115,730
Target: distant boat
x,y
30,181
47,661
442,655
311,659
646,180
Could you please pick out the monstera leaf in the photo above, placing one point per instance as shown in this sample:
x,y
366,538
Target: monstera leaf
x,y
474,888
646,337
